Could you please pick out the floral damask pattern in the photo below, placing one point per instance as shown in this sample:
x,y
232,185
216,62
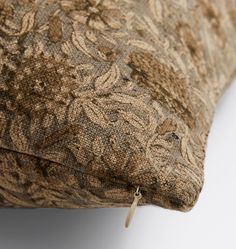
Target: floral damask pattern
x,y
35,75
96,14
100,96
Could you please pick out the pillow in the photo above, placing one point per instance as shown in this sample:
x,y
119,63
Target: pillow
x,y
99,99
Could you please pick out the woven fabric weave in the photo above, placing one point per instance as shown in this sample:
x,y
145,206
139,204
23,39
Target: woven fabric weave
x,y
98,97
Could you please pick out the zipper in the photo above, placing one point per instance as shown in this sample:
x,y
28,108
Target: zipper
x,y
137,197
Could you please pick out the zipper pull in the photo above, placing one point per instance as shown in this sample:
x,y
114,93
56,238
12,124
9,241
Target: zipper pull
x,y
137,197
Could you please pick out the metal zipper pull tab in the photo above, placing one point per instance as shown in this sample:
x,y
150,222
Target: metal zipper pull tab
x,y
137,197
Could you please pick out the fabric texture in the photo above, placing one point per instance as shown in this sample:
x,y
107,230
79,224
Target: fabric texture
x,y
98,97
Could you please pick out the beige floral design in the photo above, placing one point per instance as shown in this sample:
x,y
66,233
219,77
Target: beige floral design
x,y
39,73
97,14
98,97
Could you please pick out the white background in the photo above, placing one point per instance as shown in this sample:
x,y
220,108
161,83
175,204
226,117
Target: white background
x,y
211,224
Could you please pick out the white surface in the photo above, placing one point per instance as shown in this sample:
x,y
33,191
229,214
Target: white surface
x,y
211,224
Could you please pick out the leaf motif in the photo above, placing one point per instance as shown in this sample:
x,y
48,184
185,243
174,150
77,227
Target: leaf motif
x,y
98,146
55,29
41,29
17,135
109,79
127,99
109,38
141,44
27,22
151,26
96,115
123,98
186,152
79,43
67,48
152,123
133,119
74,110
156,9
168,125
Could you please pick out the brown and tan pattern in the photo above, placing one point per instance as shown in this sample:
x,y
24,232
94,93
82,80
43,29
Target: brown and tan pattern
x,y
98,97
